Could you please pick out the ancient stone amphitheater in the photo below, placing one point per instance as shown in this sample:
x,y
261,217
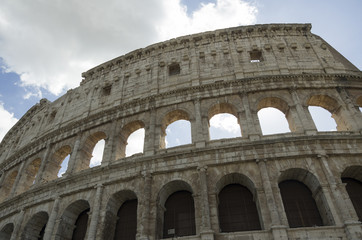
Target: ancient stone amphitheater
x,y
303,184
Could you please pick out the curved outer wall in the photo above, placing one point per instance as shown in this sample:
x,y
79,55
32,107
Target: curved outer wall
x,y
292,69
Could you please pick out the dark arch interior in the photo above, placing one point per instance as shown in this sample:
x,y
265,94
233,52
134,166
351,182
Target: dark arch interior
x,y
81,225
354,189
179,216
299,205
126,227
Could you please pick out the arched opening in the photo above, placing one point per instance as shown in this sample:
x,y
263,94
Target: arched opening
x,y
35,227
91,153
132,138
333,107
272,121
359,103
135,142
7,231
322,119
57,164
74,221
97,154
237,209
28,178
8,184
223,122
299,204
176,211
121,216
176,129
354,190
179,215
274,116
126,226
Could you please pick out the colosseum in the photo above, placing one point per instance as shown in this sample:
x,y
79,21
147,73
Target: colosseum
x,y
302,184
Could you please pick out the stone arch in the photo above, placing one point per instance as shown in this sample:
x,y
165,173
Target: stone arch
x,y
169,118
334,107
312,183
28,176
7,231
359,101
54,163
85,153
352,178
220,108
8,184
165,192
239,182
280,104
126,131
35,227
69,217
114,204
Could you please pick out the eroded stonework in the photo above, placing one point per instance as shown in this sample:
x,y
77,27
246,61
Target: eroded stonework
x,y
236,70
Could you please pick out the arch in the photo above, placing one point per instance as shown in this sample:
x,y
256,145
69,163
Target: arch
x,y
126,131
277,103
359,103
35,227
28,176
54,164
86,151
167,207
170,118
114,206
306,185
322,119
333,107
228,128
7,231
74,220
8,184
352,177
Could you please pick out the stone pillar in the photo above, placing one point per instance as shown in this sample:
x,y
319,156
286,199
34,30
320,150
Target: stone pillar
x,y
17,179
111,148
73,156
143,230
149,146
199,137
95,213
205,228
52,219
352,114
304,117
249,123
278,230
2,177
44,160
19,221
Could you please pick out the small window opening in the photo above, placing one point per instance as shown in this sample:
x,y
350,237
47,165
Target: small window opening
x,y
178,133
256,56
174,69
135,142
106,91
97,153
63,166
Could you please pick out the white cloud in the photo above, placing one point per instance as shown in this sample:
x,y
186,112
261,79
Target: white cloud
x,y
135,142
97,154
50,43
225,122
7,121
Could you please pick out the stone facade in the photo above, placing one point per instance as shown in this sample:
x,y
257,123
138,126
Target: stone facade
x,y
238,71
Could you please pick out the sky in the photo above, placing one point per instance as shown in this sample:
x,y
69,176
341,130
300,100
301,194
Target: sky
x,y
46,45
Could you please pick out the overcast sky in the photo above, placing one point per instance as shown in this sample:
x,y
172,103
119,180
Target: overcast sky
x,y
45,45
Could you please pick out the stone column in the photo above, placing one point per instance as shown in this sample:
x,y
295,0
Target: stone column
x,y
73,156
249,123
150,134
111,148
17,179
52,219
145,208
198,130
44,160
278,230
205,228
352,113
304,117
19,221
95,213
